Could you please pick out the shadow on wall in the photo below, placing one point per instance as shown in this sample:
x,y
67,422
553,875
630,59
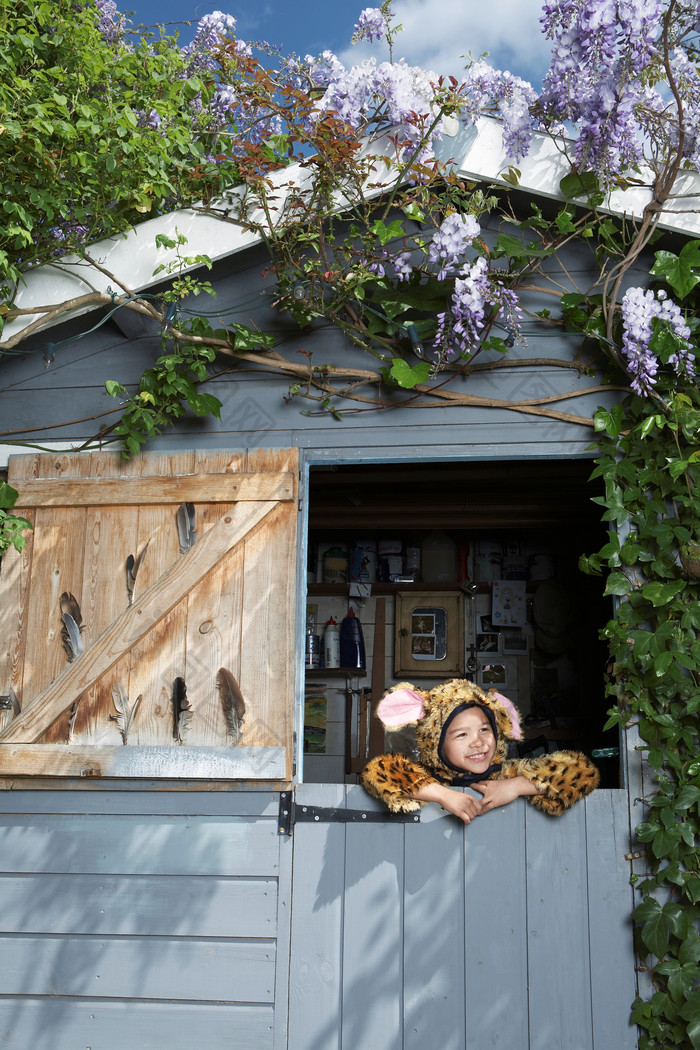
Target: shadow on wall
x,y
122,925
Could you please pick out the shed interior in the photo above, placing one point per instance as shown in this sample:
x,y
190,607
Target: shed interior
x,y
522,617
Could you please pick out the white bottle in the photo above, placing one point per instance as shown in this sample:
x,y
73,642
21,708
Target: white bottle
x,y
331,644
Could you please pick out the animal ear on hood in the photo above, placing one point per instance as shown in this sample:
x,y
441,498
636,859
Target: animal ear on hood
x,y
510,707
401,707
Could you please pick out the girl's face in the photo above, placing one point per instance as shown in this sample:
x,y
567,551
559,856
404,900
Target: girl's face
x,y
469,742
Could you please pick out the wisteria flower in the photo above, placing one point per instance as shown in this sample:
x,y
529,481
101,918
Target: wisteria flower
x,y
640,309
211,29
111,23
451,241
372,25
509,97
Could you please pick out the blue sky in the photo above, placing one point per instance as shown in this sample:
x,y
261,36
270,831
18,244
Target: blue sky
x,y
436,32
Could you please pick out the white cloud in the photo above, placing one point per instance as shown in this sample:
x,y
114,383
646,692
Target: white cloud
x,y
436,33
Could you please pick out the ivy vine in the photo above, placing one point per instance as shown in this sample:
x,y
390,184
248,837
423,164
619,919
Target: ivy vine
x,y
650,463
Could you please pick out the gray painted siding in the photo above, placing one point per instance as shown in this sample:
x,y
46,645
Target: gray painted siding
x,y
255,412
140,921
513,932
161,921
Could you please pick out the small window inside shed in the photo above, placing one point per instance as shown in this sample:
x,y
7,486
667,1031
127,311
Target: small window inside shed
x,y
454,569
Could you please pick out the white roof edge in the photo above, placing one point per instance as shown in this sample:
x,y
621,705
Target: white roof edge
x,y
485,158
133,257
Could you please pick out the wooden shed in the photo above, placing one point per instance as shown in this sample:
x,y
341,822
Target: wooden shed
x,y
179,873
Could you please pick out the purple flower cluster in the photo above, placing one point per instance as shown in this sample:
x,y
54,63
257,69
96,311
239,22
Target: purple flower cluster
x,y
450,242
459,325
372,24
687,81
640,309
71,234
392,96
403,266
476,291
111,25
600,49
211,29
488,90
148,120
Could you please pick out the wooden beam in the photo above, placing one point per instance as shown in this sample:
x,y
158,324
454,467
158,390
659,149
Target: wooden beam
x,y
71,760
148,610
195,488
376,728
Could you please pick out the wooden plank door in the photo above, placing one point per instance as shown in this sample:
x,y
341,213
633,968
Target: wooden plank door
x,y
149,674
512,932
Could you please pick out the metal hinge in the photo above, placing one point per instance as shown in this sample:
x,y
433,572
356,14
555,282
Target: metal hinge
x,y
292,813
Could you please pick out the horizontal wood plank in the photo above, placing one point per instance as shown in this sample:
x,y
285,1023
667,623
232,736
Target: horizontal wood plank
x,y
132,845
147,611
139,762
140,967
141,801
155,906
127,491
57,1023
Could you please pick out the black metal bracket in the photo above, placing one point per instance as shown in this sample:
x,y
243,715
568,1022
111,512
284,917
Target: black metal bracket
x,y
291,813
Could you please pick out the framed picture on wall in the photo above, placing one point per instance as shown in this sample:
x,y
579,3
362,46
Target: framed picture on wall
x,y
515,641
493,674
429,634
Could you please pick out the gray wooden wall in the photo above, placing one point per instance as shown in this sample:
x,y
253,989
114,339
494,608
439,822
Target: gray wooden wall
x,y
33,400
511,933
142,920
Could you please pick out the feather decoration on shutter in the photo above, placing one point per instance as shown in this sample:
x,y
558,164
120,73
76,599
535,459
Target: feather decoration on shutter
x,y
133,564
232,702
182,710
125,713
71,721
72,626
186,529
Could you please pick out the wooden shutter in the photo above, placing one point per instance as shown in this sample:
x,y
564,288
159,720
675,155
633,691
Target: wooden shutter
x,y
228,602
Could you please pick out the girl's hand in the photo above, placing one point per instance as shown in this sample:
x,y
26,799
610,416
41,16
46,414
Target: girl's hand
x,y
464,806
500,792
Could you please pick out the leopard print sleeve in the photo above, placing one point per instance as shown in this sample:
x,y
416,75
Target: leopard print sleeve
x,y
393,778
562,778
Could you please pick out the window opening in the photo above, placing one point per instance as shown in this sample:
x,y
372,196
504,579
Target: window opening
x,y
494,543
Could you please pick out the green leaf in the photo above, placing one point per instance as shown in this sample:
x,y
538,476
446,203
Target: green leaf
x,y
387,233
662,663
248,339
515,249
661,593
689,795
690,1012
609,421
512,176
563,222
689,950
654,932
192,87
579,184
204,404
408,376
676,271
8,495
113,388
617,583
413,211
678,918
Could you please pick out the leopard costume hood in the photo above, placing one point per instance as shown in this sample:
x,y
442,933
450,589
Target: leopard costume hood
x,y
431,712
